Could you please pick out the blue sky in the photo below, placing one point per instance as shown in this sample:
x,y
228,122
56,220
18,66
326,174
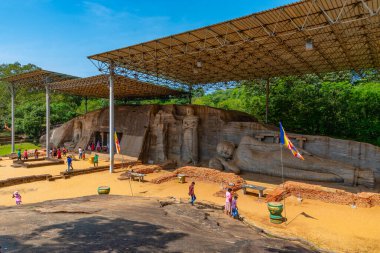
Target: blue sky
x,y
58,35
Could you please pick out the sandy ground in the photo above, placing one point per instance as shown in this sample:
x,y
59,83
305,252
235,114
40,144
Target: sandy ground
x,y
335,227
6,171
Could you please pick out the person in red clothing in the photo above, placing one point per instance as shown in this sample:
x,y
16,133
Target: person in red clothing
x,y
59,153
26,154
191,193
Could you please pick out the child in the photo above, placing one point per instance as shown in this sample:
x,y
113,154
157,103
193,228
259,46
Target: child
x,y
80,152
191,193
64,151
96,160
17,196
69,164
234,213
227,207
19,155
26,154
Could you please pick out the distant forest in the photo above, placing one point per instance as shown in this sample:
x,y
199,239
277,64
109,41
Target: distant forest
x,y
343,105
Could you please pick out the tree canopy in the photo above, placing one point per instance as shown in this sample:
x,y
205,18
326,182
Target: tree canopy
x,y
343,105
339,105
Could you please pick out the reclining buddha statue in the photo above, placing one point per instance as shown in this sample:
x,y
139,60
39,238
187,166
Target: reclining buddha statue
x,y
255,156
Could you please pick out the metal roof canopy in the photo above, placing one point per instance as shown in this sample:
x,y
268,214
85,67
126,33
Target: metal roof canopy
x,y
124,87
33,79
345,35
36,79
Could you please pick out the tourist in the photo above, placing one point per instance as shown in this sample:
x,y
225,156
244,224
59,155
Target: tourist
x,y
80,152
17,196
92,146
234,208
50,152
89,147
19,155
64,151
26,154
59,153
98,148
96,160
191,193
54,152
36,154
69,164
227,207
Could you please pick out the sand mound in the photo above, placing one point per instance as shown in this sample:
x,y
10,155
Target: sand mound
x,y
226,180
146,169
141,168
325,194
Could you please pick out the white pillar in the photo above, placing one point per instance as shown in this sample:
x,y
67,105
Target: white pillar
x,y
112,118
47,118
13,94
267,102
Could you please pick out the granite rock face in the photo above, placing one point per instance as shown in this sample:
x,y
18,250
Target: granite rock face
x,y
190,134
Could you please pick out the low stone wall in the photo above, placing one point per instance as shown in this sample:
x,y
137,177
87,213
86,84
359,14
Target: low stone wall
x,y
42,164
77,172
325,194
23,180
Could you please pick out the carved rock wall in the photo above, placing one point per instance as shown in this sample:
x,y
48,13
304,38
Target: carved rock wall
x,y
155,133
358,154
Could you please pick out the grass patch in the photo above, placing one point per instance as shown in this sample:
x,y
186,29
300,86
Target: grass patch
x,y
6,149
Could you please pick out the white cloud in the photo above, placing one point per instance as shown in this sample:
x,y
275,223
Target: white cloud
x,y
98,9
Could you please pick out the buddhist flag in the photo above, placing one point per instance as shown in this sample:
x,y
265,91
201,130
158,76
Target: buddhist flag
x,y
117,144
287,143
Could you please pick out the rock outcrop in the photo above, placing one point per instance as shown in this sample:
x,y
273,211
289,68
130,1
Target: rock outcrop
x,y
190,134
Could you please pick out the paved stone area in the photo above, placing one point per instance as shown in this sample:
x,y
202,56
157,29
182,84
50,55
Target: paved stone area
x,y
128,224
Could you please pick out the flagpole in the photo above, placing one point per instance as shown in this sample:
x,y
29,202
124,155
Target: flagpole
x,y
118,150
122,165
283,183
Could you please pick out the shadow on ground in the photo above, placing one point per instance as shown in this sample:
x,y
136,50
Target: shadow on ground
x,y
94,234
129,224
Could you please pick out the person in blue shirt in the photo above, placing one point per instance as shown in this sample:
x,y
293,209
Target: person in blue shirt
x,y
69,163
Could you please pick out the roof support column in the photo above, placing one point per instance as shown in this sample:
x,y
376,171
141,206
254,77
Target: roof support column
x,y
112,116
13,95
85,104
47,117
190,94
267,102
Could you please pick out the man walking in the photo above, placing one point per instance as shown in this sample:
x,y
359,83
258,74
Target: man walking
x,y
191,193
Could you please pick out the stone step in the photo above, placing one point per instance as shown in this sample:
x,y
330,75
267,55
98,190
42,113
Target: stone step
x,y
53,178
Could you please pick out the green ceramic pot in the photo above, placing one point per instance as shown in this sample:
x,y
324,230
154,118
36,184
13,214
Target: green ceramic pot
x,y
276,221
275,217
182,178
104,190
275,208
